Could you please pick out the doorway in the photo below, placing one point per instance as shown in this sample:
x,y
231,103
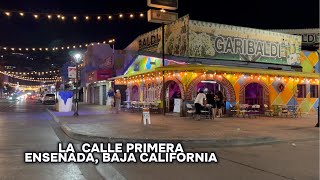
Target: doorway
x,y
211,85
173,91
254,94
135,93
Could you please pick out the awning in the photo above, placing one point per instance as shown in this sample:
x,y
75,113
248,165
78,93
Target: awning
x,y
232,69
131,74
223,69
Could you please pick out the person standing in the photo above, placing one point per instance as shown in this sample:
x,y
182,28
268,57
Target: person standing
x,y
118,100
199,103
110,100
212,101
220,103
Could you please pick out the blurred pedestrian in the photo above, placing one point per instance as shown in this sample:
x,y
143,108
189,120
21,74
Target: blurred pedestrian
x,y
110,99
199,103
118,100
220,103
213,104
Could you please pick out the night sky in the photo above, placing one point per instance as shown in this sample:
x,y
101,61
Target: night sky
x,y
26,32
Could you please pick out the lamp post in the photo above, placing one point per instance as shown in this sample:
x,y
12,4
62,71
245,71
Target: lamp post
x,y
163,80
112,41
77,57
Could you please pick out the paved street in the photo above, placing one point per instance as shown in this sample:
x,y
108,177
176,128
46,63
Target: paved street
x,y
26,126
268,162
96,121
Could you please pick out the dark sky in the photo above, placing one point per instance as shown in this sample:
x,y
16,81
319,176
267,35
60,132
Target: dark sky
x,y
26,32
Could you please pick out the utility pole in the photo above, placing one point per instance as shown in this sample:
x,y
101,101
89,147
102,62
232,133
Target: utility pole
x,y
163,80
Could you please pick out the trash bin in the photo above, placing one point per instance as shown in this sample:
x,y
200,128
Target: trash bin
x,y
64,101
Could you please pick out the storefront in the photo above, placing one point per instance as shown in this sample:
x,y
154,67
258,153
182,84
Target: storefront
x,y
249,66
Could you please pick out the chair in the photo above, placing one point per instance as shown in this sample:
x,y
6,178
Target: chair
x,y
154,107
277,110
267,111
234,111
135,106
284,111
255,110
190,110
205,112
243,109
294,111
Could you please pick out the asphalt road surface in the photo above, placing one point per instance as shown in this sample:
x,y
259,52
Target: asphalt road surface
x,y
25,126
299,160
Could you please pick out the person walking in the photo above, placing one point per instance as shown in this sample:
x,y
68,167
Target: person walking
x,y
220,103
110,100
211,99
118,100
199,104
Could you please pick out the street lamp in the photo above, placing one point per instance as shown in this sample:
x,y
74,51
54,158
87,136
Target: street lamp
x,y
77,58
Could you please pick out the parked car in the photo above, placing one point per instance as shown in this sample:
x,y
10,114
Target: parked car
x,y
49,99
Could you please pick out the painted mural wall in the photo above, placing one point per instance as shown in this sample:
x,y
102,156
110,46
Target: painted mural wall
x,y
277,95
282,91
176,39
310,61
219,41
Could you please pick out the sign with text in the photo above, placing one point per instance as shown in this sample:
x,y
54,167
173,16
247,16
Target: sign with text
x,y
164,4
310,37
72,72
156,16
219,41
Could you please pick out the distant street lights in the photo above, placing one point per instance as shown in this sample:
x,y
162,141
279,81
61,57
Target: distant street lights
x,y
77,58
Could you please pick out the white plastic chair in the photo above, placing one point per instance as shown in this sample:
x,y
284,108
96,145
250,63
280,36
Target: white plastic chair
x,y
190,109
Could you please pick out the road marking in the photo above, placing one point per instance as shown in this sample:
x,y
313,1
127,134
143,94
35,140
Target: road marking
x,y
256,168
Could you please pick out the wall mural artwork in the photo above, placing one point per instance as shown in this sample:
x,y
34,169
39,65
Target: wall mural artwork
x,y
227,42
310,61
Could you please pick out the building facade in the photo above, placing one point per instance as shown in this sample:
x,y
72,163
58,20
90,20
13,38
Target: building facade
x,y
250,66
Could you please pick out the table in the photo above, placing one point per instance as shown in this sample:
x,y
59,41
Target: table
x,y
294,110
277,109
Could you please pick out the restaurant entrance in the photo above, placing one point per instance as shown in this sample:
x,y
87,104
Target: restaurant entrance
x,y
173,91
254,94
213,86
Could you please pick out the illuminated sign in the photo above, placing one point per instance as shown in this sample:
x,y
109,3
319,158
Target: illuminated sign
x,y
164,4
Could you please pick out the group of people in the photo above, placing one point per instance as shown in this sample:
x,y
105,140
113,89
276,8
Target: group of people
x,y
114,100
216,101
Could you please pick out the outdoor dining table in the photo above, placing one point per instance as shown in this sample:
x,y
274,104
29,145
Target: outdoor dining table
x,y
277,109
127,104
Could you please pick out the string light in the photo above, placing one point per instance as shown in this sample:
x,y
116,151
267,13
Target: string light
x,y
55,79
27,86
45,48
65,16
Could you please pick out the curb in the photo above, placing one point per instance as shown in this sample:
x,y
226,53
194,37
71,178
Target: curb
x,y
191,142
53,116
107,171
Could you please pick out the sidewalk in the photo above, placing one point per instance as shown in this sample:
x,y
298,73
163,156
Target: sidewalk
x,y
94,123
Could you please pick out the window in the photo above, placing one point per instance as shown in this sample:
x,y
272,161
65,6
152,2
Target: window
x,y
301,91
314,91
